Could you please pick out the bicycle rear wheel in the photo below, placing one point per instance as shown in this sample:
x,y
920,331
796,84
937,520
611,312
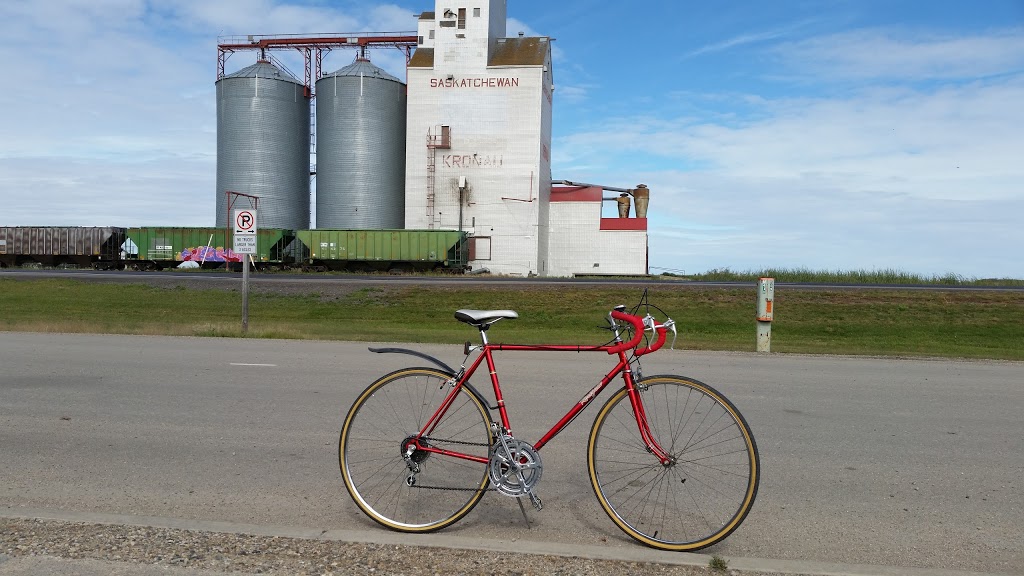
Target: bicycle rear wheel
x,y
381,421
708,488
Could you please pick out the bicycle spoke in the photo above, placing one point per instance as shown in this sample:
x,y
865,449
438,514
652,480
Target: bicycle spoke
x,y
372,452
707,488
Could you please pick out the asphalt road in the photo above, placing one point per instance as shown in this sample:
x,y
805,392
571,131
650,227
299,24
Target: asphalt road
x,y
897,462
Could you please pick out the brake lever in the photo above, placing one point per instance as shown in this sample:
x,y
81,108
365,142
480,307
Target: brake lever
x,y
650,323
670,324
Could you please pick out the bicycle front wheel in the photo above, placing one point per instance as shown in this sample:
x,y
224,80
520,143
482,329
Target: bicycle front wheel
x,y
371,451
706,490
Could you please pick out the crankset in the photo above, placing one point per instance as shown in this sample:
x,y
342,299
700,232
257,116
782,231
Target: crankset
x,y
515,469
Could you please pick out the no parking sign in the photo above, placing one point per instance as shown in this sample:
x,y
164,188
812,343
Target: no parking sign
x,y
245,231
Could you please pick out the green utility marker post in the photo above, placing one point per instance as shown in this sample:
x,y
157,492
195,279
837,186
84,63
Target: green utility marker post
x,y
765,314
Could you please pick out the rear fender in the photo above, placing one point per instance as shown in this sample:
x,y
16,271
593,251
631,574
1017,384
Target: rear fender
x,y
440,364
415,353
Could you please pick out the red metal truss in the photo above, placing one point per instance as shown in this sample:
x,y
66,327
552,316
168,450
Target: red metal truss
x,y
312,48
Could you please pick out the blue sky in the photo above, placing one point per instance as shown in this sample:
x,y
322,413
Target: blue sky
x,y
828,135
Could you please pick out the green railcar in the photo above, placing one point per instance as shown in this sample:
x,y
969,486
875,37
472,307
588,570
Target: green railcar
x,y
164,247
328,249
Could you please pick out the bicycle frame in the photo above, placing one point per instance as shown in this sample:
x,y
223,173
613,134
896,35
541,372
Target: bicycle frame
x,y
622,367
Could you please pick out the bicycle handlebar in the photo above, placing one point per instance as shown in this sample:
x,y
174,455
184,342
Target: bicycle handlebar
x,y
662,331
638,332
639,325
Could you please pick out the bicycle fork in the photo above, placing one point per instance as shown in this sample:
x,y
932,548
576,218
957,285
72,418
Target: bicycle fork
x,y
650,442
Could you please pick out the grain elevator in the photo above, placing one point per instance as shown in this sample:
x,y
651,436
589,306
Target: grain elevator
x,y
464,144
478,137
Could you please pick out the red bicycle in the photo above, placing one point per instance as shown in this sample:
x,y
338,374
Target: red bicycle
x,y
671,460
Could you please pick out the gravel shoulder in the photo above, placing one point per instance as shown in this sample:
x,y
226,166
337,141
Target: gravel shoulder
x,y
228,553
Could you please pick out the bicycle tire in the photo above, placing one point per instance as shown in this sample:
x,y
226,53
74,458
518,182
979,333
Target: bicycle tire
x,y
708,489
370,454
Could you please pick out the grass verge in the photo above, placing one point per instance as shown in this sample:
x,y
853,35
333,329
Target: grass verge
x,y
969,324
888,277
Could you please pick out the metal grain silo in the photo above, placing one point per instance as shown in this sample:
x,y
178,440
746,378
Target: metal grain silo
x,y
263,144
360,149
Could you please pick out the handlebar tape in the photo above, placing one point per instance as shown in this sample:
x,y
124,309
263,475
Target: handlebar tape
x,y
662,333
638,332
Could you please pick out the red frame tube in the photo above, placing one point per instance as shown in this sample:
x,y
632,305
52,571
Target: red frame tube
x,y
621,367
623,364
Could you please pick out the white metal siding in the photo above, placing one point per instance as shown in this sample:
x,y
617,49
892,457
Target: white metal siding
x,y
578,243
500,126
496,130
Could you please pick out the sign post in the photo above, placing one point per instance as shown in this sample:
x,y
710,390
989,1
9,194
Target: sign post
x,y
245,244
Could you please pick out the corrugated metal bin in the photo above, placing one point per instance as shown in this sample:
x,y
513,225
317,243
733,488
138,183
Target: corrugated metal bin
x,y
360,149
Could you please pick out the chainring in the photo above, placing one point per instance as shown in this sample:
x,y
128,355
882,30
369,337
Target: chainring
x,y
515,467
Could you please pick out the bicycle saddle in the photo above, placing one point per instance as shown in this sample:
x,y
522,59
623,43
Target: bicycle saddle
x,y
481,318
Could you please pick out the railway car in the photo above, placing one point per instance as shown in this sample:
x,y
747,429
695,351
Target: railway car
x,y
383,250
78,246
153,248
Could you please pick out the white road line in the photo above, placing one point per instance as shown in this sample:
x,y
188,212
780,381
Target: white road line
x,y
242,364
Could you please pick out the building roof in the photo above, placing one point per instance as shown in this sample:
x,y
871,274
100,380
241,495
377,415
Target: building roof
x,y
263,69
363,68
521,52
576,194
509,52
422,58
427,16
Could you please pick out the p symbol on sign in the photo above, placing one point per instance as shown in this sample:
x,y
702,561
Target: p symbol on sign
x,y
245,221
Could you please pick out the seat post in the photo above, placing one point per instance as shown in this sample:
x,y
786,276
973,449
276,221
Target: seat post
x,y
483,334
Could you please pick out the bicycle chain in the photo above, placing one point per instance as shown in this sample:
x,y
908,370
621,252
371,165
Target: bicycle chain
x,y
464,443
449,488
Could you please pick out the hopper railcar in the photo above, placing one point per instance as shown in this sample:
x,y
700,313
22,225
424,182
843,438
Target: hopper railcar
x,y
160,247
61,246
383,250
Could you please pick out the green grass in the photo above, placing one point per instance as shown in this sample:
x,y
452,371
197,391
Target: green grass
x,y
883,277
970,324
886,277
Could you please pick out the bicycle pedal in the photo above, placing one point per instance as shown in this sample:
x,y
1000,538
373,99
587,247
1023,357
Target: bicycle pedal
x,y
536,502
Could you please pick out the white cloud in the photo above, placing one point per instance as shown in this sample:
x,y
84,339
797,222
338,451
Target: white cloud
x,y
70,191
894,55
260,17
924,178
110,104
572,94
391,18
109,113
956,142
700,221
514,26
742,40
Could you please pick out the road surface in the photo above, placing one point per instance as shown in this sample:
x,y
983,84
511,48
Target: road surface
x,y
896,462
